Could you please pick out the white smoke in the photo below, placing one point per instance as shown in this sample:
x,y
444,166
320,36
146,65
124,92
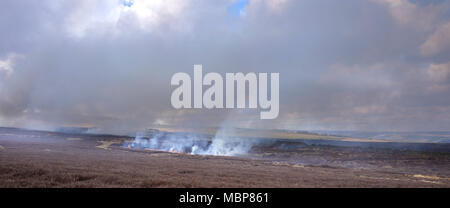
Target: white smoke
x,y
224,143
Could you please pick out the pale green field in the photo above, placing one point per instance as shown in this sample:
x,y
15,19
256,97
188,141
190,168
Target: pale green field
x,y
264,134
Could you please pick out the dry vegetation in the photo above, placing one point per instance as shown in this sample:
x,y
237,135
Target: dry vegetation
x,y
265,134
45,159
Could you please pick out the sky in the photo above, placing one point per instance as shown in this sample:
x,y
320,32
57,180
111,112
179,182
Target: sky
x,y
372,65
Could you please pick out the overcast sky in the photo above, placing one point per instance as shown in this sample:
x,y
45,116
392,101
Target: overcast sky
x,y
344,65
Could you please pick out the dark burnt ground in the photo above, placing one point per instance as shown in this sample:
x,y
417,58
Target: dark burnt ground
x,y
425,159
46,159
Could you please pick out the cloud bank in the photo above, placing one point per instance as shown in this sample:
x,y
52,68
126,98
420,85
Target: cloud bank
x,y
344,65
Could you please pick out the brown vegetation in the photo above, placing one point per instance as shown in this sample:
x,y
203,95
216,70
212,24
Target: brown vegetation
x,y
45,159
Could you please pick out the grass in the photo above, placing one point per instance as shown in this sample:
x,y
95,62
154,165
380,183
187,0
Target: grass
x,y
265,134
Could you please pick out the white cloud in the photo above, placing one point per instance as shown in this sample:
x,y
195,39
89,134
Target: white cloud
x,y
410,14
274,6
7,65
437,42
439,77
439,72
107,16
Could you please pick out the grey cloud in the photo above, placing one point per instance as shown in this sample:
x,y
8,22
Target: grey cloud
x,y
342,65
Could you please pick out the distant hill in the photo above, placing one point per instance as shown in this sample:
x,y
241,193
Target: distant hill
x,y
262,133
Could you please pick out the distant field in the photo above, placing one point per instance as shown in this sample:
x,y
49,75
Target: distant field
x,y
351,136
410,137
267,134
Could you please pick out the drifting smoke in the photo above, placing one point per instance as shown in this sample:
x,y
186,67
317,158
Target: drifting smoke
x,y
221,144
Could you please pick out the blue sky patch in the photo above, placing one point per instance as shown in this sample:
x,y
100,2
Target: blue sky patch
x,y
127,3
237,7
